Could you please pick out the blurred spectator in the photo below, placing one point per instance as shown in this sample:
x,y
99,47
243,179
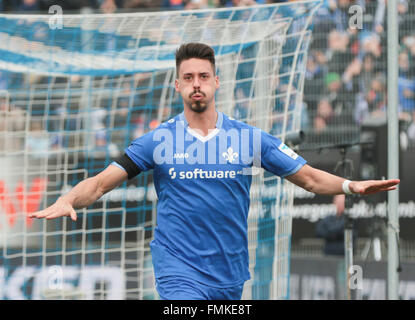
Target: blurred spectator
x,y
100,141
316,70
405,70
125,96
338,53
29,5
338,93
409,44
331,229
406,89
4,80
44,5
154,123
372,103
370,43
138,123
364,86
174,4
345,74
97,119
323,25
4,107
196,4
376,97
12,117
324,115
108,6
242,3
375,45
37,141
129,4
379,16
339,11
353,72
349,77
411,129
367,74
406,20
240,112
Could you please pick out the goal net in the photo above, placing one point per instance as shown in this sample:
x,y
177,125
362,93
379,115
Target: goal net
x,y
80,88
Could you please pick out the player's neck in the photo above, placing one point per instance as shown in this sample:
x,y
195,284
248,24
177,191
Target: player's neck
x,y
203,123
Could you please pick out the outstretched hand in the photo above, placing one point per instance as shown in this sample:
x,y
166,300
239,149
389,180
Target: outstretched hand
x,y
60,208
373,186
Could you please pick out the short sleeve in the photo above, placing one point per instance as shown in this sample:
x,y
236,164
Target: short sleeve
x,y
278,158
140,151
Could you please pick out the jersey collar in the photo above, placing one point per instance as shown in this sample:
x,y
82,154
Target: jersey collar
x,y
197,135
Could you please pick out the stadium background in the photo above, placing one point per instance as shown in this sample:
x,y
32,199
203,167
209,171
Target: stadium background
x,y
345,85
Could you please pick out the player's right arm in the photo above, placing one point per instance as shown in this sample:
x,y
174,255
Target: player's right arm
x,y
138,157
84,194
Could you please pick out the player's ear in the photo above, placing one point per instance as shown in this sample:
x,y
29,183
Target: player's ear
x,y
217,82
176,85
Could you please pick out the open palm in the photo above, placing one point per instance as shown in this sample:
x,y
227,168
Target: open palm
x,y
373,186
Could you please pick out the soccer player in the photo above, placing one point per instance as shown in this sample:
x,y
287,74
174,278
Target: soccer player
x,y
203,163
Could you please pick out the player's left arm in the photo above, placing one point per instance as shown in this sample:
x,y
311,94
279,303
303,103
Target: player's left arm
x,y
322,182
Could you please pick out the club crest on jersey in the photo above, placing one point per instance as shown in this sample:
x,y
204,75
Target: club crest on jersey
x,y
230,155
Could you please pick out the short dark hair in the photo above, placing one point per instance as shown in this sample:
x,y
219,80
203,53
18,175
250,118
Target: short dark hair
x,y
194,50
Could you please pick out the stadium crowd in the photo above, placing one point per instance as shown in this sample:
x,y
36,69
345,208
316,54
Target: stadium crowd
x,y
109,6
347,66
346,73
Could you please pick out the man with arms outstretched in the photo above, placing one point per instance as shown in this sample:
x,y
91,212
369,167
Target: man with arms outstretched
x,y
203,163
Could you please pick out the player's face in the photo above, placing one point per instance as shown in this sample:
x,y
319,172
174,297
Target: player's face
x,y
197,84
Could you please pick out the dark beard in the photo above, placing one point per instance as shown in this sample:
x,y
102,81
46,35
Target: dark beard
x,y
198,106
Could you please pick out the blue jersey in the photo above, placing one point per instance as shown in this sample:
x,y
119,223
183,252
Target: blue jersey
x,y
203,184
